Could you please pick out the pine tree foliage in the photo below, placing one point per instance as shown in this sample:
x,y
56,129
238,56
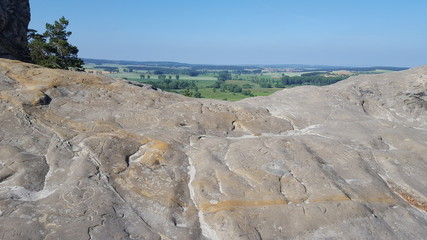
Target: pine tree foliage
x,y
52,49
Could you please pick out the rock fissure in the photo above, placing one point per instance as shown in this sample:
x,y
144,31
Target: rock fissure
x,y
207,231
281,187
258,233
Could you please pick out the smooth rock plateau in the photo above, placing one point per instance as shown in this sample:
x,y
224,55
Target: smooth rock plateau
x,y
89,157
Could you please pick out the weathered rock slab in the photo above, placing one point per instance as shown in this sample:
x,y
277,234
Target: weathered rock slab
x,y
105,159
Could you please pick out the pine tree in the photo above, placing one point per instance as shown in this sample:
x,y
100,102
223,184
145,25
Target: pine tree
x,y
52,49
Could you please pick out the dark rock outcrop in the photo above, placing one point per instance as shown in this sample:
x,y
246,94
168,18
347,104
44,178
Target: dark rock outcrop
x,y
14,20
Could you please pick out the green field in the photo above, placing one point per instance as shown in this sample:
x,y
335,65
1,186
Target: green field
x,y
203,84
208,83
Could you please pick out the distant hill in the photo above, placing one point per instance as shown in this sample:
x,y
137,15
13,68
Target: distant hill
x,y
125,62
168,64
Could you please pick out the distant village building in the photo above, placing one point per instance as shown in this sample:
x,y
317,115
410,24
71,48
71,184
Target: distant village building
x,y
98,72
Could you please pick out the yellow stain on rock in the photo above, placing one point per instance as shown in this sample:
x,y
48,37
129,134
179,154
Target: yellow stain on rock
x,y
154,152
8,98
233,204
33,77
165,198
337,198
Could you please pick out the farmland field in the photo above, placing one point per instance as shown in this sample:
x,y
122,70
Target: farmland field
x,y
231,83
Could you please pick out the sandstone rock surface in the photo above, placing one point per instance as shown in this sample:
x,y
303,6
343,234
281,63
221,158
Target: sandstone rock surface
x,y
14,20
89,157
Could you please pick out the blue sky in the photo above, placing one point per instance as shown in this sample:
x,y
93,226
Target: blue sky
x,y
328,32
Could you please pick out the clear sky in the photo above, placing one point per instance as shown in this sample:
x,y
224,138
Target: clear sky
x,y
325,32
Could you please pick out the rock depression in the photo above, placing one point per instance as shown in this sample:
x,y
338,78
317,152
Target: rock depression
x,y
89,157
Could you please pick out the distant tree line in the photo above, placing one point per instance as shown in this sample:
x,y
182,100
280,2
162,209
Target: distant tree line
x,y
356,69
223,67
162,70
168,84
191,89
311,74
318,79
224,76
108,69
220,84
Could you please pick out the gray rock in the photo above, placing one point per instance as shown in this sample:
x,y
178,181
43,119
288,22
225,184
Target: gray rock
x,y
14,20
90,157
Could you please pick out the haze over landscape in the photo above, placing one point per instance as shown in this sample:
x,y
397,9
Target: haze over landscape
x,y
345,33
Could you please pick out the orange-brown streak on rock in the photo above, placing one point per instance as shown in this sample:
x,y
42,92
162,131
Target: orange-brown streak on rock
x,y
411,200
233,204
338,198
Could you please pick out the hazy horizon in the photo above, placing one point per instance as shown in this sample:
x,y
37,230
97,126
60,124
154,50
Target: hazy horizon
x,y
237,64
333,33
